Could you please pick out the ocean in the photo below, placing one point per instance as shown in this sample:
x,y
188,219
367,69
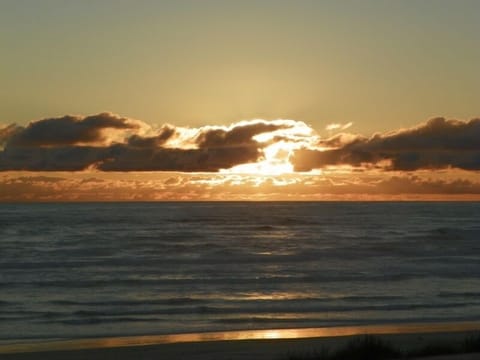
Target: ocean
x,y
71,271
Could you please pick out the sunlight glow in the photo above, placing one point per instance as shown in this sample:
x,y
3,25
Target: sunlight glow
x,y
272,334
279,146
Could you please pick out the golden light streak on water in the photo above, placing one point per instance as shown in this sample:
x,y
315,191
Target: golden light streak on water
x,y
238,335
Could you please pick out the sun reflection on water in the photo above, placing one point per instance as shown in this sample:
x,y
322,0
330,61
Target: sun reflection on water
x,y
270,334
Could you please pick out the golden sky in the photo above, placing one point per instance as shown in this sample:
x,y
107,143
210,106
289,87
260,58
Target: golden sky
x,y
189,100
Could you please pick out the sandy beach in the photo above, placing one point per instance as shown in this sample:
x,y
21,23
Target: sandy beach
x,y
268,344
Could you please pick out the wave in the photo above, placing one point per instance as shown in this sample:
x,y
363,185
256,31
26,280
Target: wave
x,y
333,315
144,302
195,281
244,309
189,265
464,294
94,321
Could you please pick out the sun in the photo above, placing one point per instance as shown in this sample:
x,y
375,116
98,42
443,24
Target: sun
x,y
278,149
275,161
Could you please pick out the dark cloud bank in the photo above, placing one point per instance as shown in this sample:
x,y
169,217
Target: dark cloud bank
x,y
437,144
112,143
74,143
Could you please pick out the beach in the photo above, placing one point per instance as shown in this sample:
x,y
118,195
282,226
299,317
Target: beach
x,y
239,180
408,337
216,281
99,270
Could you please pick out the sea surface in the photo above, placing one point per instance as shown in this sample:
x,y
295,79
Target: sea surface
x,y
115,269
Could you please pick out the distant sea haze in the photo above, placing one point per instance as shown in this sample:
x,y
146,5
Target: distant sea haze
x,y
110,269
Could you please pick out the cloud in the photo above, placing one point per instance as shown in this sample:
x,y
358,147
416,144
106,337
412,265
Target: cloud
x,y
70,130
338,127
7,132
215,148
239,135
436,144
109,142
187,186
125,158
164,134
60,158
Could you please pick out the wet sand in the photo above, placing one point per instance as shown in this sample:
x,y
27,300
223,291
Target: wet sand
x,y
243,345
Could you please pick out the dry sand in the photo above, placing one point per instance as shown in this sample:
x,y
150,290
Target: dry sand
x,y
211,346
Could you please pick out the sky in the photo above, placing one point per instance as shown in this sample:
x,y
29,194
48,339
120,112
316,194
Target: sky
x,y
234,100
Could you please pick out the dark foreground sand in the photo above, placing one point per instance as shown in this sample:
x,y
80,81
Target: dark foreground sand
x,y
266,345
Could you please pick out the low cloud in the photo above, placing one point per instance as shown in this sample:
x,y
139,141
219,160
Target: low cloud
x,y
7,132
126,158
70,130
436,144
164,134
338,127
187,186
239,135
108,142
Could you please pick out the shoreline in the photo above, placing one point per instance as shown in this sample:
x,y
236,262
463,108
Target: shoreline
x,y
244,344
